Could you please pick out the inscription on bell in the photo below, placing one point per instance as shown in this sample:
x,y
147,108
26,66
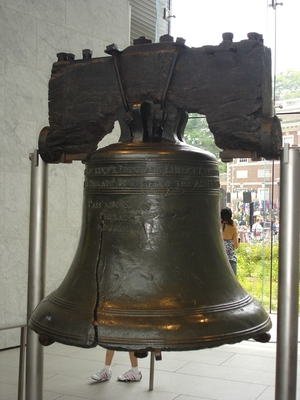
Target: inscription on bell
x,y
124,206
149,184
151,177
152,170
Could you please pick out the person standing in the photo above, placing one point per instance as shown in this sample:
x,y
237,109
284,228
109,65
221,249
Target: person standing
x,y
243,230
230,237
257,229
133,375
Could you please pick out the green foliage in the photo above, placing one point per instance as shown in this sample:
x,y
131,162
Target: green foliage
x,y
288,84
257,272
198,134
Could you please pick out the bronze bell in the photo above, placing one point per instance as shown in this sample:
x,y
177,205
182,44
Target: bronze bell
x,y
150,271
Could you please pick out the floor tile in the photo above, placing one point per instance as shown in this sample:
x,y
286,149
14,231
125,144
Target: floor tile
x,y
8,391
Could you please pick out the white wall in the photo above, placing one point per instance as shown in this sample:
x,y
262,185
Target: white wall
x,y
32,32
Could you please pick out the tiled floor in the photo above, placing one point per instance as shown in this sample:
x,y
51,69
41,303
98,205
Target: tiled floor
x,y
244,371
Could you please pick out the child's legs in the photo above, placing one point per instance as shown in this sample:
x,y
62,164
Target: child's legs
x,y
133,359
109,356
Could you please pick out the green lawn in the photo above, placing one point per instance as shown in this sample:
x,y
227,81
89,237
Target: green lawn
x,y
257,272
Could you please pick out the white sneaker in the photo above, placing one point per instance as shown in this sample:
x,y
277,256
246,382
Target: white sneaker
x,y
130,376
103,375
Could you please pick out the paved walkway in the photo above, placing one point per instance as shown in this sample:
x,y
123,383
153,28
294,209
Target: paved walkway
x,y
244,371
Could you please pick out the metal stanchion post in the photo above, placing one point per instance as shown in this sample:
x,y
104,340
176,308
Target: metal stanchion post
x,y
288,279
151,376
36,272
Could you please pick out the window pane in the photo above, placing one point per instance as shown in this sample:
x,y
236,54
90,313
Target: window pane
x,y
243,173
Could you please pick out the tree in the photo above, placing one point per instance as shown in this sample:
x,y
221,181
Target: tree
x,y
198,134
287,85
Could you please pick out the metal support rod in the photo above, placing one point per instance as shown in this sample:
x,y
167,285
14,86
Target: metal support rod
x,y
21,356
36,272
151,375
288,276
21,363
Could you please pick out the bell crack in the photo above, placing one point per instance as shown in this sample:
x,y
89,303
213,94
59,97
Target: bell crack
x,y
97,279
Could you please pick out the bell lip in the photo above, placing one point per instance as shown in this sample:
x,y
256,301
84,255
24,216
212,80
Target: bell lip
x,y
46,320
180,342
200,327
70,339
188,343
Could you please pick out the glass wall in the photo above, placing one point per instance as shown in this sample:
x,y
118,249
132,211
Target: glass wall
x,y
251,188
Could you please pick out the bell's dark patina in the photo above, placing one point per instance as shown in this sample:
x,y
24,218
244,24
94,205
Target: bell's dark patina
x,y
150,271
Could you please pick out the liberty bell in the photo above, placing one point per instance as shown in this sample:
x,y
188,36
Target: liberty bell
x,y
150,271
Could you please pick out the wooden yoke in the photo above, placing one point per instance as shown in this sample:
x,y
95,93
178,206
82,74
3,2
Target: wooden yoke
x,y
150,88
